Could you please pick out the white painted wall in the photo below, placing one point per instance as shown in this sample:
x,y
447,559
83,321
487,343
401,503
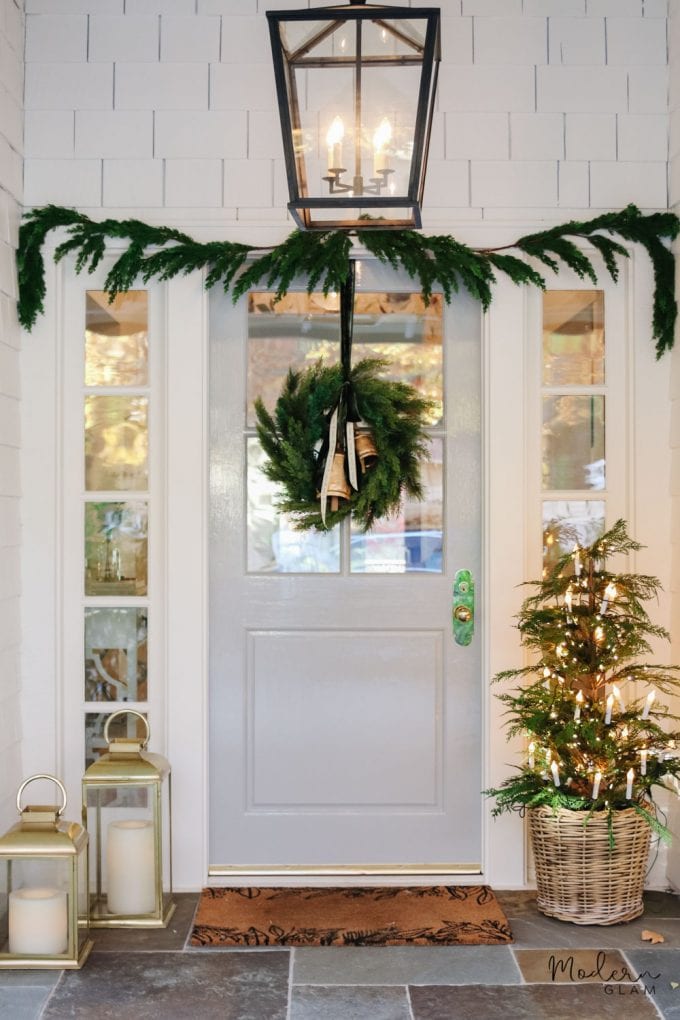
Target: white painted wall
x,y
164,109
11,143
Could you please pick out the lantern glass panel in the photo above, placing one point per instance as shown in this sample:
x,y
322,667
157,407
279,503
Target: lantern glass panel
x,y
35,900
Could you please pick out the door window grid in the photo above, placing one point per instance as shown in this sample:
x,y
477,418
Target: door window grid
x,y
573,452
296,333
115,512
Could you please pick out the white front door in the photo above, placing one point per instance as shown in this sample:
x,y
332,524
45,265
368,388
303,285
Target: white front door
x,y
345,721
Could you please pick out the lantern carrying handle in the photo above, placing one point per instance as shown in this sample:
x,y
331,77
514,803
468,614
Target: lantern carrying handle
x,y
127,711
52,779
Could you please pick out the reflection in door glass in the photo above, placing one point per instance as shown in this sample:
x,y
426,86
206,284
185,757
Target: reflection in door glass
x,y
274,545
412,541
573,338
573,442
302,329
115,654
116,443
567,523
116,548
116,339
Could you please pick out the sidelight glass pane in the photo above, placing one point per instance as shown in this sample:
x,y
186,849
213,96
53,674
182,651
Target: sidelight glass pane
x,y
411,542
302,329
573,338
116,548
274,546
115,654
567,523
95,745
116,443
573,442
116,339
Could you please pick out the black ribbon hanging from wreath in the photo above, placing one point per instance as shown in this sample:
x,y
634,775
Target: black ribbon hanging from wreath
x,y
339,452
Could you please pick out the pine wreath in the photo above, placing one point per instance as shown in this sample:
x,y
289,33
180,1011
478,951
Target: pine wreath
x,y
292,439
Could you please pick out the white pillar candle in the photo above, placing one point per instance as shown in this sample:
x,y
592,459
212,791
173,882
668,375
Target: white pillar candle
x,y
555,773
648,704
608,715
38,922
596,785
630,776
334,137
131,864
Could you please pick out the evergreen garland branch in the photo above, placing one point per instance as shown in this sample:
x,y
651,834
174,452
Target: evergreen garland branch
x,y
322,258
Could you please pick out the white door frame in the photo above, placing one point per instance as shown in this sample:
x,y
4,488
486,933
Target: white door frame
x,y
509,548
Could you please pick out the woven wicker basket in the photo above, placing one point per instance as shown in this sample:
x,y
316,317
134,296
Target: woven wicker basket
x,y
578,877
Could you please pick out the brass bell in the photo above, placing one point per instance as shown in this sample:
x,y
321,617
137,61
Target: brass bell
x,y
366,450
338,486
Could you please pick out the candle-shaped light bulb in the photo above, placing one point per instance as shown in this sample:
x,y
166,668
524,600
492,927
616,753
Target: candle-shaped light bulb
x,y
568,599
648,704
596,785
381,139
532,751
598,634
610,705
624,733
643,761
334,137
579,703
577,561
609,596
555,773
630,776
619,697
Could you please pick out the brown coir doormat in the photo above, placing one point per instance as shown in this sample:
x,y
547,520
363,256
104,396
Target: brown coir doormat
x,y
444,915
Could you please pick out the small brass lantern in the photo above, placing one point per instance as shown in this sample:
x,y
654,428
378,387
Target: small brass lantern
x,y
43,888
356,87
126,809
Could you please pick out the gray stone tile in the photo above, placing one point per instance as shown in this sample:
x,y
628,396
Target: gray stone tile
x,y
349,1003
662,904
401,965
121,940
659,970
22,1003
539,932
532,1002
174,986
29,978
566,966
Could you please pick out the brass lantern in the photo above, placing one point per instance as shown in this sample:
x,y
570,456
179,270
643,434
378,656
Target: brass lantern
x,y
43,888
126,809
356,87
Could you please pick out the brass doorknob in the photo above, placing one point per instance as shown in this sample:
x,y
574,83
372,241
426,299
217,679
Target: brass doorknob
x,y
463,614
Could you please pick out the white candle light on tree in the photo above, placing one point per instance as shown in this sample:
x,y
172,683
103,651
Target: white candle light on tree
x,y
577,561
334,137
568,597
619,697
596,785
555,773
532,750
630,776
38,922
643,761
579,703
610,594
649,701
608,713
131,866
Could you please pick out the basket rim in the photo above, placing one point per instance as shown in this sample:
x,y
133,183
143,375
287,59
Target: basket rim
x,y
601,815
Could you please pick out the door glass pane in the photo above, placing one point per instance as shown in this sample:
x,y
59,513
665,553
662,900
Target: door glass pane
x,y
573,338
573,442
567,523
301,329
115,654
274,546
411,541
116,443
116,548
116,339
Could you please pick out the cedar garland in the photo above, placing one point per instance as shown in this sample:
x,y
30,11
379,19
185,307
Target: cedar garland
x,y
323,258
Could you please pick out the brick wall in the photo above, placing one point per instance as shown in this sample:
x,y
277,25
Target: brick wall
x,y
11,132
545,106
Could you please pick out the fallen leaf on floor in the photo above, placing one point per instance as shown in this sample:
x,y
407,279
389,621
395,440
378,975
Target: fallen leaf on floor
x,y
674,985
651,936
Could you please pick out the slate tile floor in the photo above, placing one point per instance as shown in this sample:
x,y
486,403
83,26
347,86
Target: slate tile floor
x,y
553,971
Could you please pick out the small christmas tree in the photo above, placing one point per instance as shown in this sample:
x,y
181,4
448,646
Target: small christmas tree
x,y
595,741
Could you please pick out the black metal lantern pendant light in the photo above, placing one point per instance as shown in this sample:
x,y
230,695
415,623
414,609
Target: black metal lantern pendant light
x,y
356,86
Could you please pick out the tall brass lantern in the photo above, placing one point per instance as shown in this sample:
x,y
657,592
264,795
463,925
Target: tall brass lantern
x,y
127,811
43,888
356,87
